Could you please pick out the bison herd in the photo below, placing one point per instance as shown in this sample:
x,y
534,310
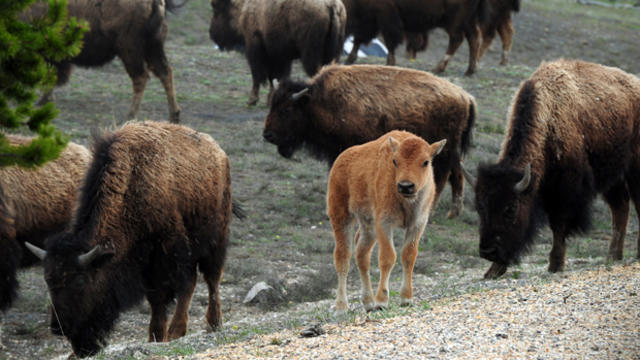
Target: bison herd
x,y
150,205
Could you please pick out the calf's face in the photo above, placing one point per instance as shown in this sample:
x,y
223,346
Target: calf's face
x,y
412,160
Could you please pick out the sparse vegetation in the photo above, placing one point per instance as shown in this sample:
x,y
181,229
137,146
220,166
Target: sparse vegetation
x,y
287,232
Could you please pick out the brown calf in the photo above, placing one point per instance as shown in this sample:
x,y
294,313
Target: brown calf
x,y
383,184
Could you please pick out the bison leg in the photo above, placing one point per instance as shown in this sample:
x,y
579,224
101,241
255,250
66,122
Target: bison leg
x,y
506,36
618,200
386,261
180,319
456,180
341,260
473,39
365,240
63,74
495,271
161,68
633,181
455,39
488,34
409,254
558,252
212,269
353,55
158,323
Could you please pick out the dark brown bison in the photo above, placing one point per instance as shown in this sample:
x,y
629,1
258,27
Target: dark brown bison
x,y
497,18
155,207
35,203
134,31
344,106
395,18
274,33
573,134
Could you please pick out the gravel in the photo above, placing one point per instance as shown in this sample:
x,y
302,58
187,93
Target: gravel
x,y
583,315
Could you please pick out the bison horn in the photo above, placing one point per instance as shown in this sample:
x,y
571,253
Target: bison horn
x,y
299,94
523,184
39,253
87,258
467,175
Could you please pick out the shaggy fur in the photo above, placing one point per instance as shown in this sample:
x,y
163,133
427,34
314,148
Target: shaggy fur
x,y
156,204
134,31
350,105
576,124
394,18
274,33
383,184
35,203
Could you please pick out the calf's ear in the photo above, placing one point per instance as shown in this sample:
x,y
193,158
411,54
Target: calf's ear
x,y
437,147
393,143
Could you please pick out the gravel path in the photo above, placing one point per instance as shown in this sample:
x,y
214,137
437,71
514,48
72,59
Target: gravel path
x,y
586,315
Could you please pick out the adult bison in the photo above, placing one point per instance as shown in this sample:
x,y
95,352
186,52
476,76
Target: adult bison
x,y
35,203
155,207
573,134
499,20
344,106
274,33
134,31
383,184
394,18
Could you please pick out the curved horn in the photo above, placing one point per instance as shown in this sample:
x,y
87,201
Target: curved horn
x,y
467,175
523,184
86,258
39,253
299,94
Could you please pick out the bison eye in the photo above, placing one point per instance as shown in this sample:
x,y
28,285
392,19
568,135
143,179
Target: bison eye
x,y
426,163
395,163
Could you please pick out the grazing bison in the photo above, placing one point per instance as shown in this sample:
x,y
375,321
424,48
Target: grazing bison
x,y
134,31
499,19
394,18
35,203
383,184
274,33
155,207
344,106
573,134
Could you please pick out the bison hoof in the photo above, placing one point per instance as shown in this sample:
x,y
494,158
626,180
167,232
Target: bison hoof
x,y
556,267
453,213
378,307
175,117
470,72
495,271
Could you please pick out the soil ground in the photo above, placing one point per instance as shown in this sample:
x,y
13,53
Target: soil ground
x,y
286,239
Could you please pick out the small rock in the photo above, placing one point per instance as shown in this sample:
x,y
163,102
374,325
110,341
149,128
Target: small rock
x,y
313,331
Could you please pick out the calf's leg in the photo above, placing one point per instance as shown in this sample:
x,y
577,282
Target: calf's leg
x,y
365,240
341,260
386,261
409,254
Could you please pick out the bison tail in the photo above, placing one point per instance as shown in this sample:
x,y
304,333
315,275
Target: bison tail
x,y
237,210
467,134
515,5
334,38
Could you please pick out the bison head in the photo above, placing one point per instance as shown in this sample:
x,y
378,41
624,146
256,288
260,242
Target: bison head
x,y
224,29
412,160
509,216
74,276
286,122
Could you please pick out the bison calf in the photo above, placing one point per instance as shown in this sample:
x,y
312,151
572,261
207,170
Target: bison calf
x,y
155,207
344,106
573,134
383,184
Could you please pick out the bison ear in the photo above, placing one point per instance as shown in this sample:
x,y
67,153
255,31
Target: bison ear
x,y
393,143
437,147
